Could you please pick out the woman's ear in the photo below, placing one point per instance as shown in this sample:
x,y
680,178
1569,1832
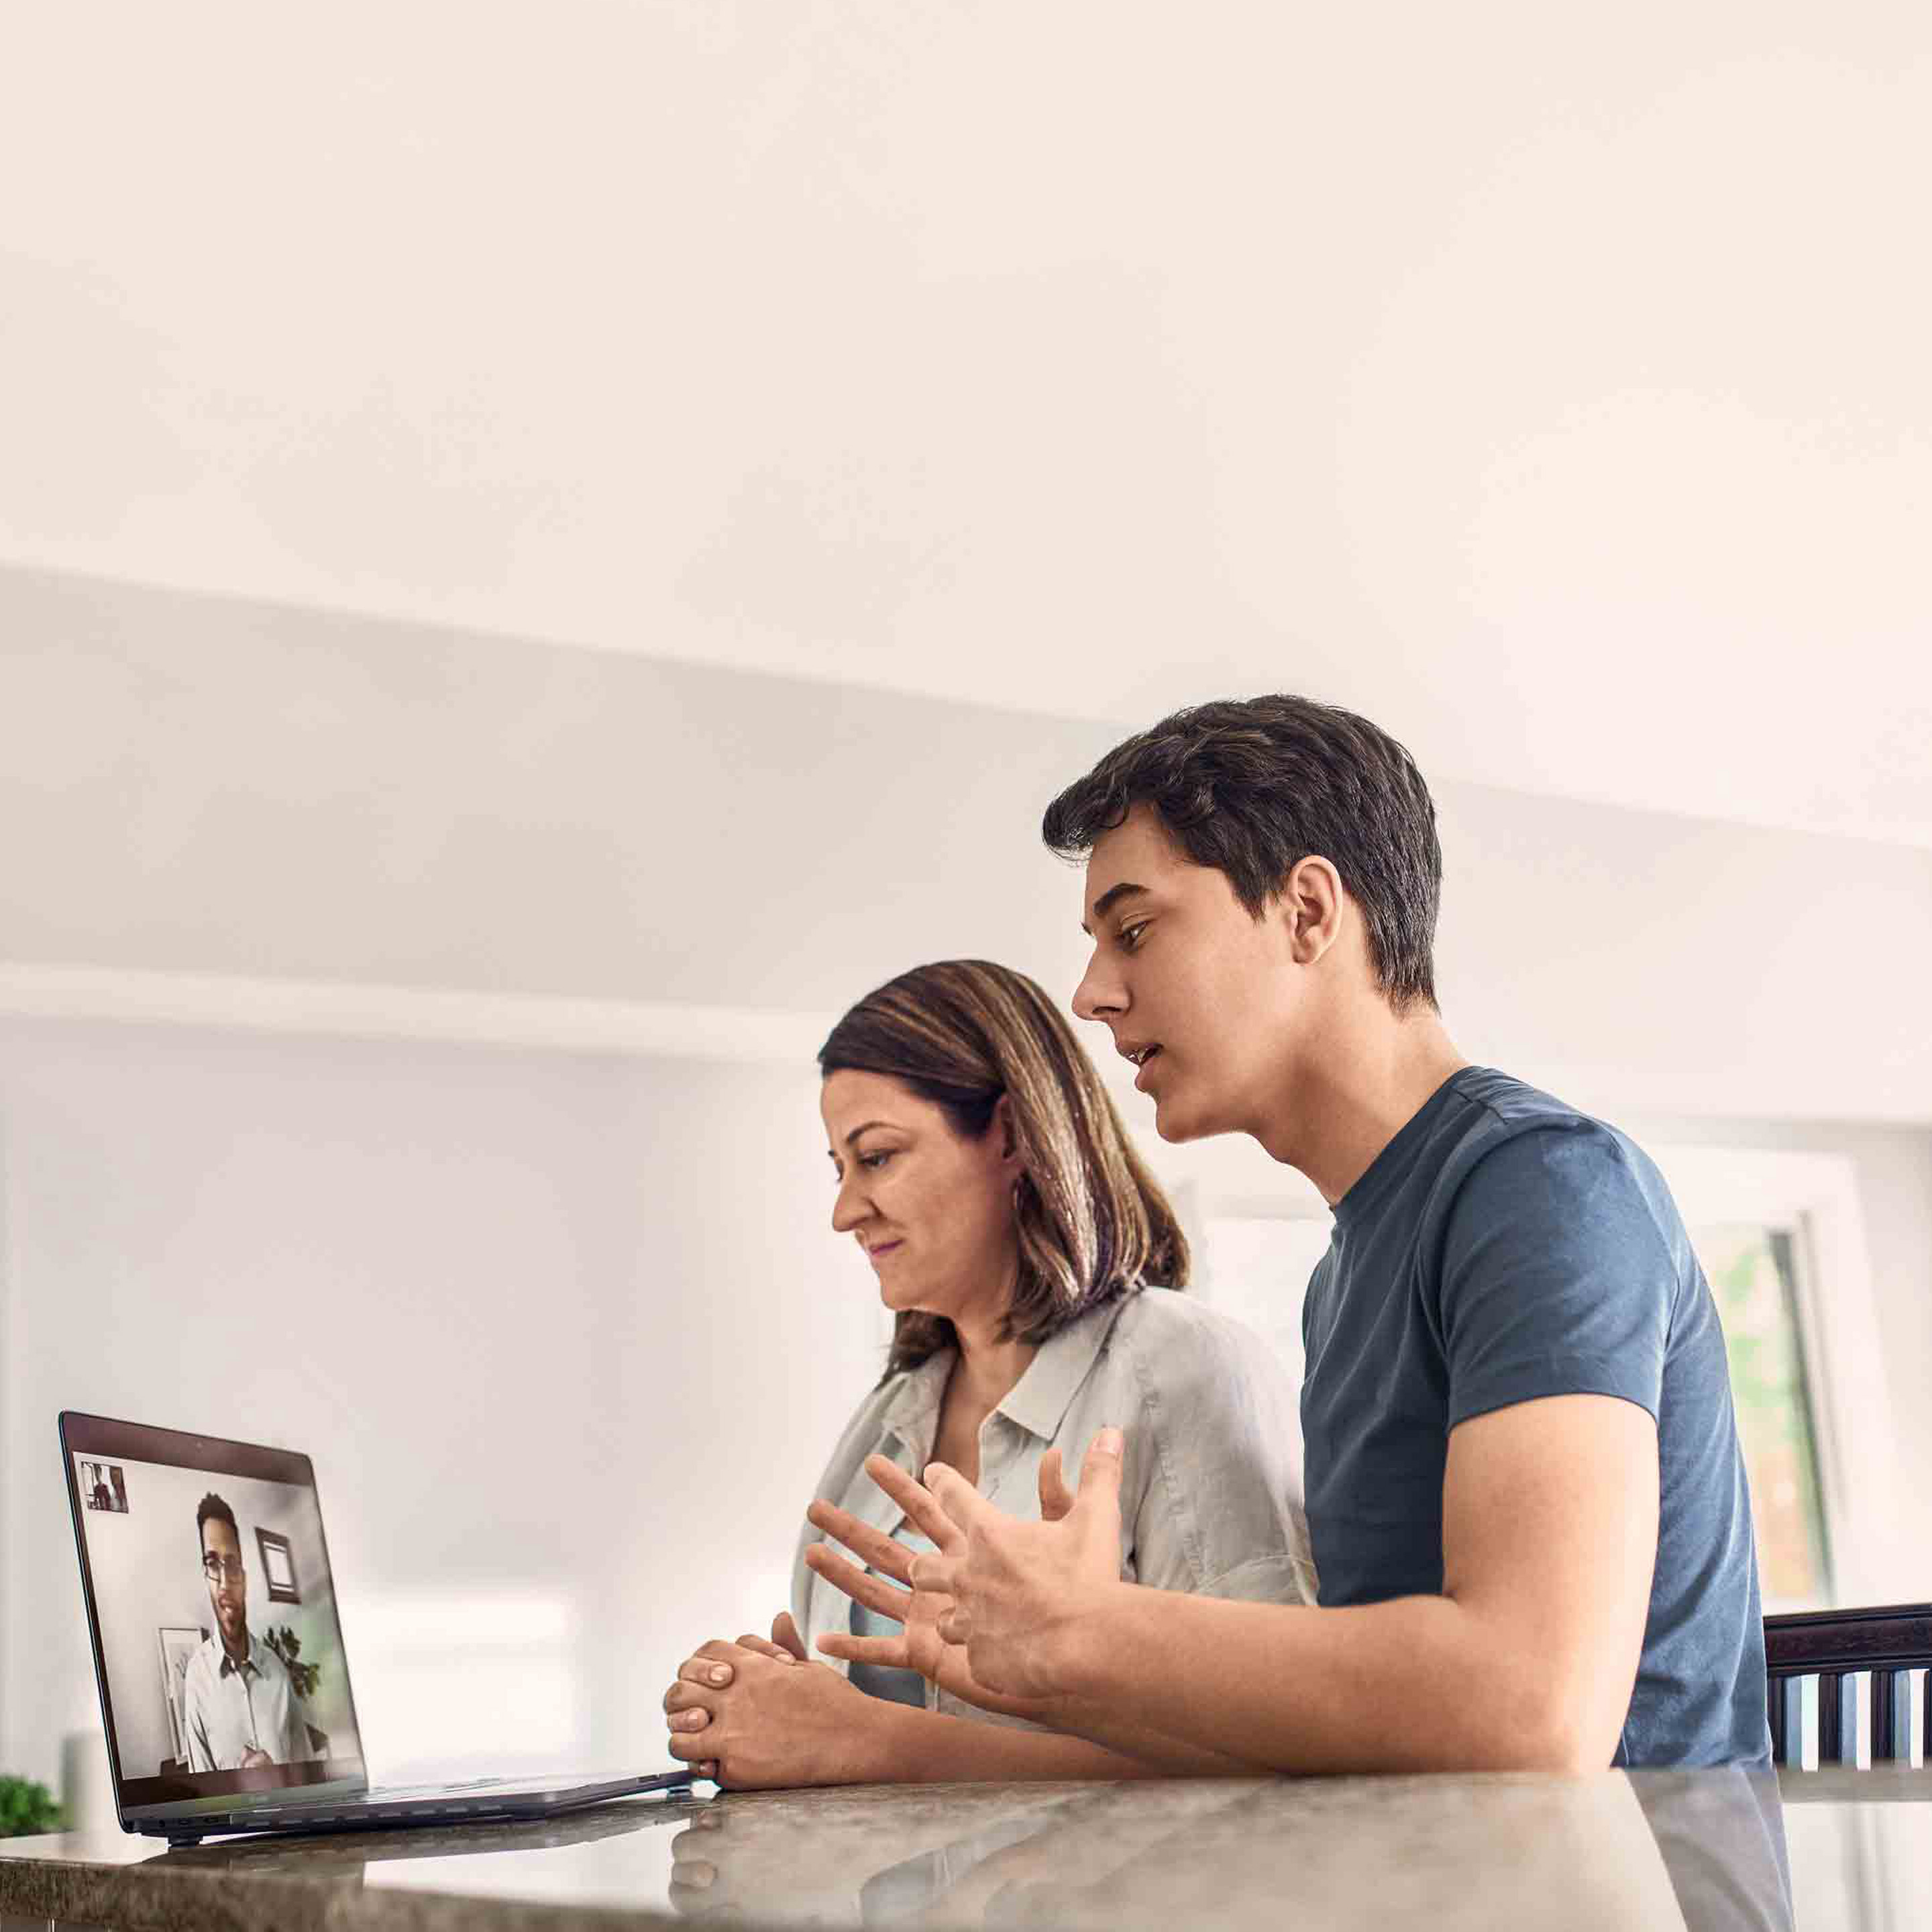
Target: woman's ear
x,y
1002,1124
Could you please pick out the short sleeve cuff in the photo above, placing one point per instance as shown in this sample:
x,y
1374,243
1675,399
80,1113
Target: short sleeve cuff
x,y
1560,1375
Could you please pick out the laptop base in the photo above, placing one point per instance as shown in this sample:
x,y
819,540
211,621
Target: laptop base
x,y
509,1802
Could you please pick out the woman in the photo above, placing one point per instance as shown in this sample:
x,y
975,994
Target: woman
x,y
1034,1268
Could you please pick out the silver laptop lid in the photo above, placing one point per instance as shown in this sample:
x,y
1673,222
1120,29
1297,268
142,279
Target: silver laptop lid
x,y
217,1647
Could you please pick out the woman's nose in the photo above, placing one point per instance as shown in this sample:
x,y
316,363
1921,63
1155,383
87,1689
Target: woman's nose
x,y
848,1206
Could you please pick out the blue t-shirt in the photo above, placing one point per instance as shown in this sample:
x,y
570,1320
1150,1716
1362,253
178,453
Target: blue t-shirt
x,y
1502,1247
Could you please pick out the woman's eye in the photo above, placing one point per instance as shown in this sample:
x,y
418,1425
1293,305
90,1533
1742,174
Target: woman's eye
x,y
1130,935
873,1160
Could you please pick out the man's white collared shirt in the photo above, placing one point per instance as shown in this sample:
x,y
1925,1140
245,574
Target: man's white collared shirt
x,y
228,1708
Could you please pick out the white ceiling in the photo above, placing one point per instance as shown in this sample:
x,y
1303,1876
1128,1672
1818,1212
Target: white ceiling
x,y
1550,384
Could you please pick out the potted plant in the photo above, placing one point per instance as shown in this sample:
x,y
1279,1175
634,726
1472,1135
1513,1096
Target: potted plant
x,y
287,1646
27,1808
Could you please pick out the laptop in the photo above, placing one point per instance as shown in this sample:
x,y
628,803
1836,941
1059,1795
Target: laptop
x,y
224,1684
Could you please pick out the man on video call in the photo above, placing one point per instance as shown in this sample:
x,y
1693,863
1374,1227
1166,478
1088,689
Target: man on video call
x,y
237,1706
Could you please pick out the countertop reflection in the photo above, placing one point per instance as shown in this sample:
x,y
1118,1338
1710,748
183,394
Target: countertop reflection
x,y
1698,1849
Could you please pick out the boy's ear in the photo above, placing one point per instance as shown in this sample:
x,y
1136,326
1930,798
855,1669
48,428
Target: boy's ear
x,y
1311,901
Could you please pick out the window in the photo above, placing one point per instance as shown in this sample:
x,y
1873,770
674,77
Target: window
x,y
1753,1271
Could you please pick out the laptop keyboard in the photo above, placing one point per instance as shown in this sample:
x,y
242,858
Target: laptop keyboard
x,y
465,1795
402,1794
387,1794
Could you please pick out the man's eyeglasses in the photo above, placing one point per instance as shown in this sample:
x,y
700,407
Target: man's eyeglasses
x,y
214,1568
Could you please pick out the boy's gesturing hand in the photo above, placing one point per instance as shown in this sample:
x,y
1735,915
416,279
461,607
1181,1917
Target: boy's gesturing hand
x,y
1020,1590
918,1645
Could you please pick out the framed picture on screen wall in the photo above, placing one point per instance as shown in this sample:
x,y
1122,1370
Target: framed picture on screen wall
x,y
278,1567
178,1643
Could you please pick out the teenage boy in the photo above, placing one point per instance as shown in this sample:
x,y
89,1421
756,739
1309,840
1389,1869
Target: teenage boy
x,y
1525,1493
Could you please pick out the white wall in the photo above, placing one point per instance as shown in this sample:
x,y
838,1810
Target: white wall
x,y
188,784
1681,965
566,1338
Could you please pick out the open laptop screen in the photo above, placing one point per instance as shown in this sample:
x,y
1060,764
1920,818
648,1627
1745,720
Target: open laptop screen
x,y
213,1614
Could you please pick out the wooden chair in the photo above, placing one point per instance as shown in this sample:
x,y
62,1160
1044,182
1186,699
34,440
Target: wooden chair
x,y
1891,1641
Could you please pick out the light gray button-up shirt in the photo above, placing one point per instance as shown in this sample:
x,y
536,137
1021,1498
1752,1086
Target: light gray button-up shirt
x,y
1210,1491
230,1709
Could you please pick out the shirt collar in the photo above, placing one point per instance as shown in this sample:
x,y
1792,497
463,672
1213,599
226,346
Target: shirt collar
x,y
252,1662
1038,1401
913,1414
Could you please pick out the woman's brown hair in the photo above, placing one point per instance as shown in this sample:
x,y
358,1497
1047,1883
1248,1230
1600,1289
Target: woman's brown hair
x,y
1093,1222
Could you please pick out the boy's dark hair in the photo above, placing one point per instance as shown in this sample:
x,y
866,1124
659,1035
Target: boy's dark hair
x,y
1252,786
213,1509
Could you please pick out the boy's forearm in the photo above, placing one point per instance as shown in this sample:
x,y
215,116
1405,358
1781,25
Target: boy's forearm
x,y
1414,1684
915,1747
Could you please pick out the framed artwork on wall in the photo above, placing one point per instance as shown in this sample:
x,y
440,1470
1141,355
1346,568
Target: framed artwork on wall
x,y
278,1567
178,1643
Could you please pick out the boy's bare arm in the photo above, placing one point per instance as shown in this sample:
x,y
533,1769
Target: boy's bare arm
x,y
1526,1661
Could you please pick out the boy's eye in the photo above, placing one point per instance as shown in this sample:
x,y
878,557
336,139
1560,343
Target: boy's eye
x,y
1130,935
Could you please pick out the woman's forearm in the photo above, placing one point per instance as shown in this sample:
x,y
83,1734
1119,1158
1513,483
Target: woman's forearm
x,y
915,1747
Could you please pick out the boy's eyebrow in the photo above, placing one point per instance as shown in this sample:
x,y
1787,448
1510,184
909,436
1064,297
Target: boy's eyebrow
x,y
1111,898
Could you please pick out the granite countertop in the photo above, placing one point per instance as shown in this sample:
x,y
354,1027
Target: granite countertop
x,y
1652,1849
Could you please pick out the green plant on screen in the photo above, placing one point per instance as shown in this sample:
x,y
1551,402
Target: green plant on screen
x,y
287,1646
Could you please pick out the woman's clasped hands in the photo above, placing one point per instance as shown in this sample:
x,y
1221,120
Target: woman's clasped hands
x,y
757,1715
